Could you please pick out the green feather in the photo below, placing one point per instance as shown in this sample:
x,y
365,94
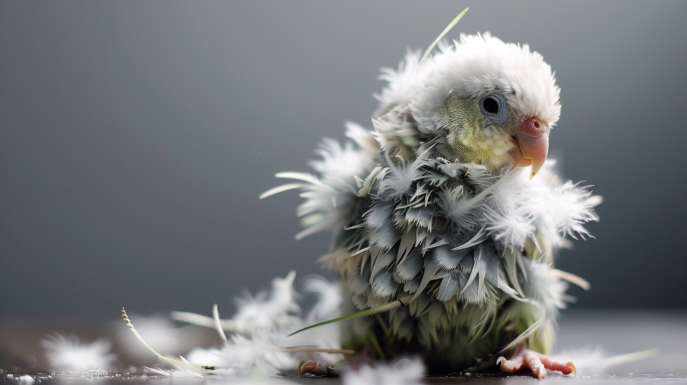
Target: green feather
x,y
441,36
378,309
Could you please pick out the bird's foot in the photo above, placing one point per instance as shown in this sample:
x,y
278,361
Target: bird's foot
x,y
536,363
321,369
316,368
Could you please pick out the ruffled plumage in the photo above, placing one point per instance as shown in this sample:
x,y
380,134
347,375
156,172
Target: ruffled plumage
x,y
467,247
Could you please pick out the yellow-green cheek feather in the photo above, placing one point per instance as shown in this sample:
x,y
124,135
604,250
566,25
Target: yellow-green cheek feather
x,y
472,136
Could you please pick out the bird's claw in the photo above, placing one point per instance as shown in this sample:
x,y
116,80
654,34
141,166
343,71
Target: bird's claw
x,y
317,369
535,362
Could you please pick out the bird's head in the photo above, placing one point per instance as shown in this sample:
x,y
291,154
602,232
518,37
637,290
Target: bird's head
x,y
480,100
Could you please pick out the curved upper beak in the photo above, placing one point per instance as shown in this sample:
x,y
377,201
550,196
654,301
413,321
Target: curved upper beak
x,y
532,138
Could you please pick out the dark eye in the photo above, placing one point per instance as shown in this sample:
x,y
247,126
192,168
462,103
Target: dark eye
x,y
490,105
493,107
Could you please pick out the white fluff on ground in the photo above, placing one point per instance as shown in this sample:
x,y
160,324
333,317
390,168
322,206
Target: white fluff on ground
x,y
65,353
404,372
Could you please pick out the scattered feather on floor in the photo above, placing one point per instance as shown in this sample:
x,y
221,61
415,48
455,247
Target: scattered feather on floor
x,y
65,353
254,343
241,357
259,330
257,355
259,379
268,311
404,372
26,380
161,333
595,361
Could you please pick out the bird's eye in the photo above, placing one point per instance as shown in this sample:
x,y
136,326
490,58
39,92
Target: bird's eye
x,y
493,107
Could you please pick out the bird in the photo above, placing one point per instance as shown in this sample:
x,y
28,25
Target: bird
x,y
447,215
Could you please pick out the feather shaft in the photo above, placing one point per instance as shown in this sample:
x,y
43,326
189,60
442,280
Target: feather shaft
x,y
280,189
300,176
441,35
218,323
181,363
379,309
572,278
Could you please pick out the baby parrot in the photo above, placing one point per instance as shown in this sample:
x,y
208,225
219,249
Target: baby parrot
x,y
446,216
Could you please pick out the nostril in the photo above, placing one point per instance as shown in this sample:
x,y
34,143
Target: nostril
x,y
533,127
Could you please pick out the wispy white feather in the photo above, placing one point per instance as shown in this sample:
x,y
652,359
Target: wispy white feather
x,y
263,310
160,332
405,372
264,322
65,353
595,361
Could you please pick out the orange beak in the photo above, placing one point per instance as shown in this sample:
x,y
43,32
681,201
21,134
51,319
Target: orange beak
x,y
532,138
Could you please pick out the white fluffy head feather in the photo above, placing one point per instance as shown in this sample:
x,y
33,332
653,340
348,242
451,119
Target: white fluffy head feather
x,y
474,66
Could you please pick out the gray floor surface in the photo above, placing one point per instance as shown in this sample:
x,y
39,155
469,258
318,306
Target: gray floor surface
x,y
614,332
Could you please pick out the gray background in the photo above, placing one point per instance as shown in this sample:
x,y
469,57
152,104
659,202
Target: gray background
x,y
135,138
